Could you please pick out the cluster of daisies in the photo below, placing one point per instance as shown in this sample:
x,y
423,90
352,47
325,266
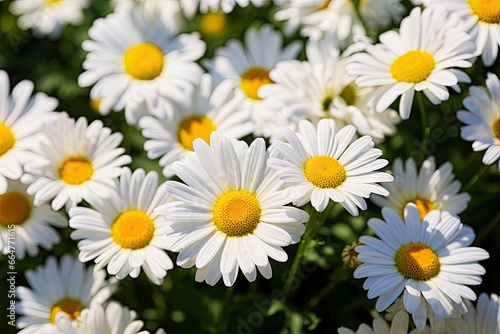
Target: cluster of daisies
x,y
251,136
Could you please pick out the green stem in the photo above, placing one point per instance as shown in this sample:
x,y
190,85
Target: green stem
x,y
425,123
219,324
315,222
476,177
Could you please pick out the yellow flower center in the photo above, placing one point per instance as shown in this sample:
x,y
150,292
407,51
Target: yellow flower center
x,y
7,139
236,213
414,66
133,229
95,104
423,206
349,95
417,261
52,2
144,61
487,11
324,171
76,170
496,129
213,24
252,80
15,209
195,127
72,307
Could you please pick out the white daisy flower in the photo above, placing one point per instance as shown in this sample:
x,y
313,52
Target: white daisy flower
x,y
112,319
68,287
482,119
230,214
33,226
169,11
434,325
429,189
48,17
76,162
135,63
320,88
21,120
247,68
322,164
424,260
483,19
227,6
318,18
205,110
399,325
482,319
125,235
423,56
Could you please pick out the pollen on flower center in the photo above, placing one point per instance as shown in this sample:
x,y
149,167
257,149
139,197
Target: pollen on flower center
x,y
195,127
72,307
417,261
424,206
15,209
236,213
7,139
76,170
414,66
252,80
349,95
324,171
487,11
144,61
133,229
496,129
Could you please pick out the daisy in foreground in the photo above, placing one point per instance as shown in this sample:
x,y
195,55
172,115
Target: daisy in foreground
x,y
322,164
122,231
484,19
136,64
427,261
21,120
68,287
205,109
48,17
33,226
423,56
246,67
429,189
399,325
76,162
482,119
112,319
230,214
